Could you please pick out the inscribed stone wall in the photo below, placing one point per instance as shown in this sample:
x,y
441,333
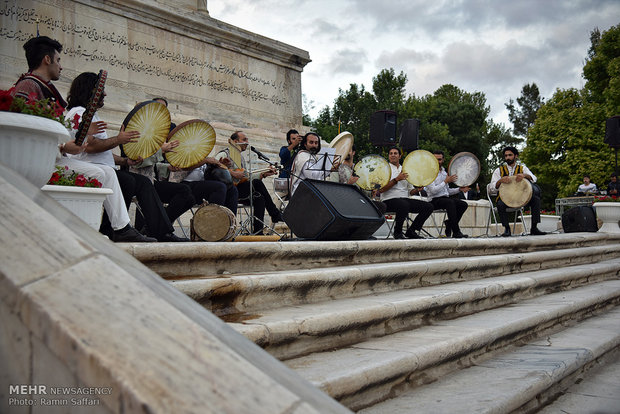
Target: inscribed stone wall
x,y
207,69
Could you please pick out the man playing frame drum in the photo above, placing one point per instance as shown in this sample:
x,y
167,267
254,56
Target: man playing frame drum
x,y
504,174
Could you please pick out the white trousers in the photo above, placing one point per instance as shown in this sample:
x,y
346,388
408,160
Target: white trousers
x,y
114,203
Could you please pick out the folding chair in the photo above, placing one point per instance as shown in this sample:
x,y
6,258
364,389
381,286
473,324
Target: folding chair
x,y
492,192
439,228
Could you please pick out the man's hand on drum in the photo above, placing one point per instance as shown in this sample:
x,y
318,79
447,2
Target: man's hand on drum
x,y
96,127
131,163
169,146
450,179
519,177
125,137
401,176
464,189
503,180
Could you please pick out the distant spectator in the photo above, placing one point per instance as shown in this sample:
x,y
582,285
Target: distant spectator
x,y
613,188
587,187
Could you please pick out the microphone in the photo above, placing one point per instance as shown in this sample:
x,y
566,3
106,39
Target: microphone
x,y
260,154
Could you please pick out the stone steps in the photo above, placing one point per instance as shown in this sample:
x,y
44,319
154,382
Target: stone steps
x,y
533,375
372,371
237,295
292,331
372,322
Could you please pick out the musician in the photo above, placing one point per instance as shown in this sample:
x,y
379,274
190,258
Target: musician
x,y
587,187
261,198
179,197
512,167
395,194
43,57
287,152
439,191
99,152
613,188
304,163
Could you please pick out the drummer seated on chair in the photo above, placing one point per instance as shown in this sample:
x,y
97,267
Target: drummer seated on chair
x,y
395,194
261,198
501,175
439,191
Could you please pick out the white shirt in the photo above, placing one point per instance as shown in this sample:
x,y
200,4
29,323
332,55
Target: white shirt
x,y
399,190
511,171
590,188
105,157
304,168
439,188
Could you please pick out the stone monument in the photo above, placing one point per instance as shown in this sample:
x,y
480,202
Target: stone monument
x,y
207,69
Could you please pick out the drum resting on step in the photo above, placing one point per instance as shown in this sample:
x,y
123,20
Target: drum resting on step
x,y
212,223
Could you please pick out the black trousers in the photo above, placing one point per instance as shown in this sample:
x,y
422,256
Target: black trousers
x,y
455,208
534,205
155,216
261,199
215,192
403,206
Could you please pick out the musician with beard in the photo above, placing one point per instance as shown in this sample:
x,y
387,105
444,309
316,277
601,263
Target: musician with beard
x,y
512,167
304,164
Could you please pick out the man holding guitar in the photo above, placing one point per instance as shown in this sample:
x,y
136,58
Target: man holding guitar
x,y
261,198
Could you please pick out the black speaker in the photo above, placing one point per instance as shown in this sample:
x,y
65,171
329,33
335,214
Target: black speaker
x,y
612,132
324,210
383,128
578,219
409,132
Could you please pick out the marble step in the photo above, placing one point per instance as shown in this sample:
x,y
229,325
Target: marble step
x,y
237,295
371,371
292,331
178,260
528,377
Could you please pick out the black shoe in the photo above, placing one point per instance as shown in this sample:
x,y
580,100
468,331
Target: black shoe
x,y
411,234
171,237
460,236
506,233
130,235
276,217
536,232
448,229
399,236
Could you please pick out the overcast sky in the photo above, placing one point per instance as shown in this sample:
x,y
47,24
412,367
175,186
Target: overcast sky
x,y
491,46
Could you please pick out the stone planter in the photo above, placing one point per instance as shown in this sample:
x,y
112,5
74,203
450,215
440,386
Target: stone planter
x,y
84,202
29,145
547,223
609,213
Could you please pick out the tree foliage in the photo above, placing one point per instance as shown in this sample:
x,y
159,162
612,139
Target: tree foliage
x,y
602,70
523,116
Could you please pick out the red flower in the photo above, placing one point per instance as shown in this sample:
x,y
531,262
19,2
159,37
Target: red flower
x,y
32,98
54,179
80,180
6,99
76,121
95,183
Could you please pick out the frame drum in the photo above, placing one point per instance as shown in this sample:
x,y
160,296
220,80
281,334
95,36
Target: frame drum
x,y
212,222
343,144
373,171
422,168
196,140
515,194
152,120
466,166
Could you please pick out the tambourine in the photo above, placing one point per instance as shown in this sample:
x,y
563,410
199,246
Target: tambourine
x,y
373,171
152,120
343,143
516,194
93,104
196,140
421,167
466,166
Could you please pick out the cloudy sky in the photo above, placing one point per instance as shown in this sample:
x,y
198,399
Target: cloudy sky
x,y
491,46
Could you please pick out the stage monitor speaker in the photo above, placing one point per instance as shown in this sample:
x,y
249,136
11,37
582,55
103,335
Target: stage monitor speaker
x,y
383,128
612,132
409,132
325,210
579,219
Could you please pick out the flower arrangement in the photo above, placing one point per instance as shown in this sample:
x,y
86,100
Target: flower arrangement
x,y
65,176
44,107
607,199
543,212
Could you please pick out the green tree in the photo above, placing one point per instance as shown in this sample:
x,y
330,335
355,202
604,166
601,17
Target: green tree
x,y
523,116
602,69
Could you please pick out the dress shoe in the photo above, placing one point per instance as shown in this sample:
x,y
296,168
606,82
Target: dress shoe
x,y
130,235
506,233
536,232
399,236
171,237
276,218
448,229
460,235
411,234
